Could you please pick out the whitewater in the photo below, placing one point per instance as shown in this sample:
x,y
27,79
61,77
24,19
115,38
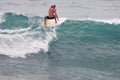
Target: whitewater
x,y
85,47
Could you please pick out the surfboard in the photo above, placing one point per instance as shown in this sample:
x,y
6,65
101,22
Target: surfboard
x,y
51,22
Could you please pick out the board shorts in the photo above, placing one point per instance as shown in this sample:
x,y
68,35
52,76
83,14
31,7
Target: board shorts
x,y
47,17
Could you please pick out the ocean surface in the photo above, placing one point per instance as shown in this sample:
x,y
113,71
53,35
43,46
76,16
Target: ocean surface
x,y
85,47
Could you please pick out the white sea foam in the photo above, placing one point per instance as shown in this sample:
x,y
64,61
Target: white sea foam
x,y
112,21
14,31
1,17
109,21
21,44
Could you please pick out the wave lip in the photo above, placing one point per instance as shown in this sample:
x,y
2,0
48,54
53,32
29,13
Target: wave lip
x,y
2,18
109,21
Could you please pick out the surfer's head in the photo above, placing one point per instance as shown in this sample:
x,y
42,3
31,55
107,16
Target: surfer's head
x,y
53,6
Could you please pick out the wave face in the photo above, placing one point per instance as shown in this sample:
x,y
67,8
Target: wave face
x,y
86,49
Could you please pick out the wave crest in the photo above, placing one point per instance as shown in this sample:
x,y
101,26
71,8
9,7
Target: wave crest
x,y
109,21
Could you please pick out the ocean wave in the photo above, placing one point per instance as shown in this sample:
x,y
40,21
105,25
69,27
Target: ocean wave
x,y
21,35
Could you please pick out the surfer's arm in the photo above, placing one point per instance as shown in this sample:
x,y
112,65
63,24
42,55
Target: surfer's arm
x,y
56,16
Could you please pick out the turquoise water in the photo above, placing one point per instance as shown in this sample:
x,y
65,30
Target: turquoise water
x,y
74,50
85,47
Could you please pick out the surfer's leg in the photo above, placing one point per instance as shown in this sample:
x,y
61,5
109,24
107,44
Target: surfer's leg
x,y
45,20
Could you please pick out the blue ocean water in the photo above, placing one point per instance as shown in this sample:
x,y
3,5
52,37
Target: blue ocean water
x,y
85,47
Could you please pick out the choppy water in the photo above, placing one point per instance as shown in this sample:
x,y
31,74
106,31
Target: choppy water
x,y
84,47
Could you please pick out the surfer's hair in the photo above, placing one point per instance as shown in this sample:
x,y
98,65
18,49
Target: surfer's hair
x,y
53,6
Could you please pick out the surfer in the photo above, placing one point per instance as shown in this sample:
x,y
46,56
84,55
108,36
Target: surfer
x,y
51,14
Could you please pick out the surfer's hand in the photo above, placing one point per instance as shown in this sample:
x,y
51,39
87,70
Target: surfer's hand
x,y
55,21
58,19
